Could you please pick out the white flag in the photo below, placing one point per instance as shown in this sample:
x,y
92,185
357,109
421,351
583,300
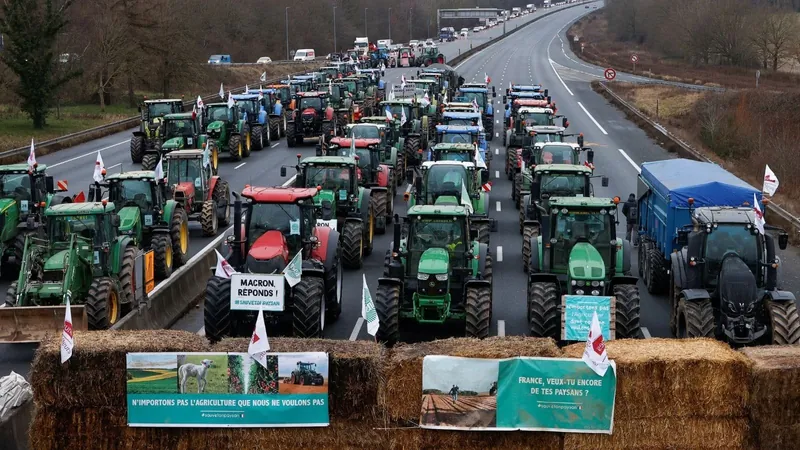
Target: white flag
x,y
486,78
465,200
98,168
206,155
200,103
31,157
480,162
259,344
368,311
223,270
294,271
159,171
264,77
759,215
403,81
67,340
771,182
231,102
246,89
594,355
403,118
475,105
260,94
330,87
389,116
221,92
426,101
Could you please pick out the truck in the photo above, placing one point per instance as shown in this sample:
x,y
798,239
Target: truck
x,y
530,7
516,11
361,44
704,245
447,34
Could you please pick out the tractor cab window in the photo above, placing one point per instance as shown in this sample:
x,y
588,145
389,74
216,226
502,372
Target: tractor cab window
x,y
730,238
364,155
582,225
61,227
276,216
159,109
445,180
333,178
397,111
533,119
556,154
548,137
222,112
479,97
185,171
563,184
456,138
16,185
311,102
179,128
248,106
365,132
285,94
454,156
440,232
132,192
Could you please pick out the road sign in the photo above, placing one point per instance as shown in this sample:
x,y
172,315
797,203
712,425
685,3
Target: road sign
x,y
758,75
634,59
610,74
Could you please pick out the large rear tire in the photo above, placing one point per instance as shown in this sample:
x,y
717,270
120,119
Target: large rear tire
x,y
483,230
695,319
479,311
208,218
656,278
102,304
352,245
257,137
150,161
412,145
127,295
379,208
516,189
137,149
161,245
235,147
222,195
291,140
334,281
179,234
387,305
627,316
529,234
217,308
309,297
784,322
543,317
247,143
275,128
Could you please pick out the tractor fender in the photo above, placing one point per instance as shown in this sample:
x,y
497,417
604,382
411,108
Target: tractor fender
x,y
620,280
138,134
482,250
329,113
383,281
490,110
695,294
780,296
624,260
212,183
484,200
169,210
393,157
327,247
277,109
534,277
118,251
383,175
201,140
533,264
313,270
363,203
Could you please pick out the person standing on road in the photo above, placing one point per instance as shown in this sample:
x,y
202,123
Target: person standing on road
x,y
454,393
631,212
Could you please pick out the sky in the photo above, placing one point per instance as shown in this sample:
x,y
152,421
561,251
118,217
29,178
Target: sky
x,y
469,374
152,360
287,362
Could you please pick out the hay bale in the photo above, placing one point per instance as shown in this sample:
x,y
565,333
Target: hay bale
x,y
767,436
95,376
672,378
662,433
401,390
775,385
354,371
413,439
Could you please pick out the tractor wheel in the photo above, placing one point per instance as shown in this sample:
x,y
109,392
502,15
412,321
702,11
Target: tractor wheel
x,y
522,206
334,280
19,250
309,306
516,189
482,234
126,279
137,149
412,144
247,145
352,248
543,316
102,304
179,234
285,123
379,209
479,311
369,233
387,305
161,245
655,278
529,234
275,128
695,319
488,272
784,323
627,316
235,147
489,131
400,168
11,295
217,308
150,161
222,196
327,127
257,137
291,140
214,157
640,255
208,218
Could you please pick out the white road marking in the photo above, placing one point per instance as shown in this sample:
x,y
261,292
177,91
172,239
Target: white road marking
x,y
497,174
646,333
635,166
497,121
499,253
92,153
497,151
593,120
497,135
357,329
498,206
557,75
115,165
240,165
501,328
275,145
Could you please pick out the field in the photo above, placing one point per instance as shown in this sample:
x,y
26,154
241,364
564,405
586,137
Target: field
x,y
287,388
154,381
469,411
216,378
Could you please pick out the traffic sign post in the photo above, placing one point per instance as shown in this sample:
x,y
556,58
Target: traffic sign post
x,y
758,75
634,60
610,74
582,46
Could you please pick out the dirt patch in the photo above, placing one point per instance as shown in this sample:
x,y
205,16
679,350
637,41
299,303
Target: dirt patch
x,y
288,388
467,411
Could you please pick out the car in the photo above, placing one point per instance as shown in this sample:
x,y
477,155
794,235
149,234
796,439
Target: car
x,y
305,54
219,59
264,60
476,29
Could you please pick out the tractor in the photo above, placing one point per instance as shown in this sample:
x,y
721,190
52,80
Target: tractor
x,y
481,97
390,152
203,196
447,80
228,129
391,138
86,260
306,374
584,257
149,133
528,137
25,195
435,272
148,217
547,153
372,172
253,109
281,97
276,224
341,100
313,117
415,127
428,56
342,204
182,132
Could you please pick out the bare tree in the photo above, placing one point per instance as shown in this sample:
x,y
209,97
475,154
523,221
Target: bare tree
x,y
109,47
780,34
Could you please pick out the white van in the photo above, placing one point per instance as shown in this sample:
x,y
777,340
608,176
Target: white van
x,y
305,54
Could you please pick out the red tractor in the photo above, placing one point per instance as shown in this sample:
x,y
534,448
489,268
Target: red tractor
x,y
312,116
278,223
205,197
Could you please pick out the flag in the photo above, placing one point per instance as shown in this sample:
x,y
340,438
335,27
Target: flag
x,y
479,161
231,101
389,114
31,158
159,172
223,270
263,77
221,92
403,117
465,200
98,168
759,216
594,355
200,103
486,78
67,340
403,81
368,311
260,93
426,101
206,155
771,182
475,105
259,344
487,187
246,89
330,87
294,270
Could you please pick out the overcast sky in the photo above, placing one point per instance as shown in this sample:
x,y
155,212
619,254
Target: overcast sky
x,y
469,374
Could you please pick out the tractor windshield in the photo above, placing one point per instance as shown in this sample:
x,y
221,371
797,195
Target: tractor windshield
x,y
548,137
364,155
479,97
132,192
454,155
159,109
563,184
61,227
15,185
248,106
445,179
587,225
398,110
331,178
456,138
465,122
365,132
437,232
179,128
221,112
533,119
556,154
279,216
181,170
314,103
730,238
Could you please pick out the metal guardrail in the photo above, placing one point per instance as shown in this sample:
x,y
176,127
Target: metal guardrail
x,y
783,215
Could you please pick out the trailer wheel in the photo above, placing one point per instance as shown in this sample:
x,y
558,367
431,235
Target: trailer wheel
x,y
102,304
784,322
695,319
479,311
308,310
161,244
627,316
543,316
387,305
352,248
208,218
137,150
529,233
217,308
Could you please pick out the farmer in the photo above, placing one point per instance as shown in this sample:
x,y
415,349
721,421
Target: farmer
x,y
631,212
454,393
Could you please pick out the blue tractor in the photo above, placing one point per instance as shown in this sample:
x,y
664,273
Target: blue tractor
x,y
254,112
460,134
480,95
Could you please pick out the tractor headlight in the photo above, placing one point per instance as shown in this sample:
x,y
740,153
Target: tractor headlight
x,y
573,282
581,283
595,283
595,292
579,292
423,276
441,277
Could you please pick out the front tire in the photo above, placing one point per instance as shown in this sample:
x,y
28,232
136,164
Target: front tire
x,y
137,149
208,218
695,319
179,234
161,245
655,276
483,231
379,208
217,308
479,311
784,322
235,147
291,140
387,305
309,295
257,138
275,127
627,312
543,317
102,304
150,161
222,196
352,245
529,235
334,280
126,279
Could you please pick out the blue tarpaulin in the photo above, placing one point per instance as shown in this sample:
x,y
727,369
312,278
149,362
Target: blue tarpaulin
x,y
707,183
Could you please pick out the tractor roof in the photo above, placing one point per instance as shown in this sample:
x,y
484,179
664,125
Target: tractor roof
x,y
278,194
398,101
718,214
313,94
563,168
454,146
360,143
458,129
458,105
421,81
180,116
547,129
132,175
76,209
461,115
475,85
328,160
217,104
465,164
437,210
278,86
184,154
163,100
380,121
249,96
21,168
303,77
534,110
541,102
474,90
590,202
526,88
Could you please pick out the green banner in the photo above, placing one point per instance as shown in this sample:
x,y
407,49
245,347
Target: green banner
x,y
578,311
532,394
227,390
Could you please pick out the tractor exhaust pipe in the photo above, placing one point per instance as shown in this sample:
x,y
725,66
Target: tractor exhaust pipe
x,y
397,230
236,249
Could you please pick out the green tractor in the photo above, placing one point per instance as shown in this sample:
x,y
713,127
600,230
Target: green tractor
x,y
148,217
583,257
342,203
149,134
555,153
85,259
226,127
24,196
341,100
435,273
392,138
182,131
306,374
415,129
